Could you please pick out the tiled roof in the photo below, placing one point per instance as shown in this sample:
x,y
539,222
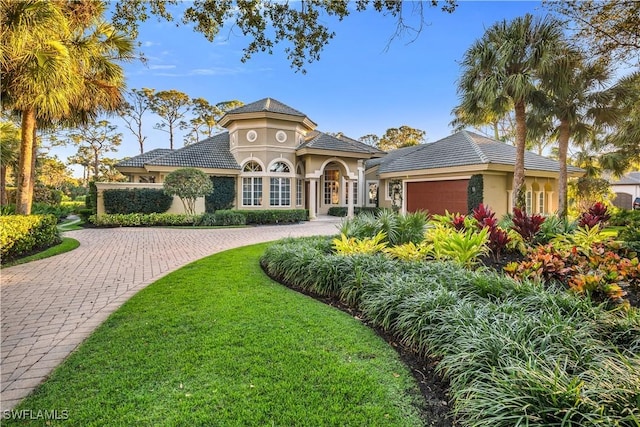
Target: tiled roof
x,y
392,155
210,153
632,178
324,141
462,149
140,160
267,104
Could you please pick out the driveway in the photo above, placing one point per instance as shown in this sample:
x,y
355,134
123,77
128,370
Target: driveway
x,y
50,306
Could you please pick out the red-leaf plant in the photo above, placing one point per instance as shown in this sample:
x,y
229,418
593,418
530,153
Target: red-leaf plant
x,y
498,238
525,225
597,214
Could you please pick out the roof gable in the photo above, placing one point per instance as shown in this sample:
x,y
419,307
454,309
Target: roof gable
x,y
267,105
210,153
323,141
464,148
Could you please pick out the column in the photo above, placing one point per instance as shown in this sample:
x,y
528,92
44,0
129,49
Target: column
x,y
350,209
361,184
312,198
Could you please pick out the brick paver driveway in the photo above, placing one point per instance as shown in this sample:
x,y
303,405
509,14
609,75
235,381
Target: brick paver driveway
x,y
50,306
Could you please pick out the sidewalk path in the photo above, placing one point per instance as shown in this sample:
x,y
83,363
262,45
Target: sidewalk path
x,y
50,306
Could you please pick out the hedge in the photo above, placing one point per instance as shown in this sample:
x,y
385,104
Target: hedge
x,y
136,200
475,192
141,220
223,194
342,210
221,217
21,235
275,216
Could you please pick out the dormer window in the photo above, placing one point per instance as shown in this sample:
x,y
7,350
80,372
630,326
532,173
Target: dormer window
x,y
252,166
280,167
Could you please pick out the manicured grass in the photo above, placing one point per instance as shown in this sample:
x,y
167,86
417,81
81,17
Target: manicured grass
x,y
217,343
67,244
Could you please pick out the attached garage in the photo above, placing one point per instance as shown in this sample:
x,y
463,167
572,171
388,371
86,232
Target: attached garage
x,y
438,196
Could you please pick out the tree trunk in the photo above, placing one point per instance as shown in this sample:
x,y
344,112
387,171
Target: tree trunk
x,y
3,185
519,189
24,196
34,157
96,165
563,145
171,136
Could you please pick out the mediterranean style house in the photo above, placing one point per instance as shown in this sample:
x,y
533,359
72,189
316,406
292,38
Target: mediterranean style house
x,y
280,161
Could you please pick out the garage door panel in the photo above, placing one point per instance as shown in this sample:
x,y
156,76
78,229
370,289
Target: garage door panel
x,y
438,196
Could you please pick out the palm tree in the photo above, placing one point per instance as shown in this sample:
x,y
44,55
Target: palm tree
x,y
57,67
571,105
499,70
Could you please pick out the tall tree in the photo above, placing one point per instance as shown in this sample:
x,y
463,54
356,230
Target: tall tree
x,y
572,101
171,106
9,151
370,139
53,173
84,158
404,136
300,26
99,137
133,110
205,119
499,70
609,28
58,63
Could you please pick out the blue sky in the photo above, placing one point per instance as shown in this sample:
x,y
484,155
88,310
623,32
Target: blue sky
x,y
364,83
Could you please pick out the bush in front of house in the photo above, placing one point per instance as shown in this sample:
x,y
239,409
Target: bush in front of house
x,y
142,220
221,218
23,234
136,200
275,216
513,352
223,194
342,211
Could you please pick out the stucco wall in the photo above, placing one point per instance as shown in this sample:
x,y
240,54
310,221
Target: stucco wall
x,y
176,206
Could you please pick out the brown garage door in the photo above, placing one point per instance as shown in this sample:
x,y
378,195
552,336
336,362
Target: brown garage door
x,y
438,196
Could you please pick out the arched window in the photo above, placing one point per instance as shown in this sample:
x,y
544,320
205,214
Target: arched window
x,y
252,166
280,167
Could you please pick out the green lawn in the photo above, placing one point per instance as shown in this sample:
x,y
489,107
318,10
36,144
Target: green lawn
x,y
67,244
218,343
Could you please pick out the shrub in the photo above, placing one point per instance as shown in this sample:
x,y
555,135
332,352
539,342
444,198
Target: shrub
x,y
595,215
46,195
462,247
92,197
475,192
368,245
498,237
141,220
20,235
188,184
136,200
525,225
342,210
223,194
275,216
229,217
625,217
398,229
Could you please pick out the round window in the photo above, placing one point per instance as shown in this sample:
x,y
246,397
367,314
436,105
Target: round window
x,y
252,135
281,136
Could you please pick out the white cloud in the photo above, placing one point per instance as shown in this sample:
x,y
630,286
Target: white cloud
x,y
149,44
161,67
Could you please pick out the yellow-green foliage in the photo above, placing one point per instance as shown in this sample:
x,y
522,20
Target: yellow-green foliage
x,y
583,239
461,247
21,234
350,245
410,251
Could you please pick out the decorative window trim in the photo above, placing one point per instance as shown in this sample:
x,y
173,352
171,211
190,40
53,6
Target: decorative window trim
x,y
256,169
252,135
281,136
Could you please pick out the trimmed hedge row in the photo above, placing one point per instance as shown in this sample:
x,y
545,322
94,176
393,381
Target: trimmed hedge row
x,y
136,200
221,217
275,216
21,235
342,211
514,353
141,220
